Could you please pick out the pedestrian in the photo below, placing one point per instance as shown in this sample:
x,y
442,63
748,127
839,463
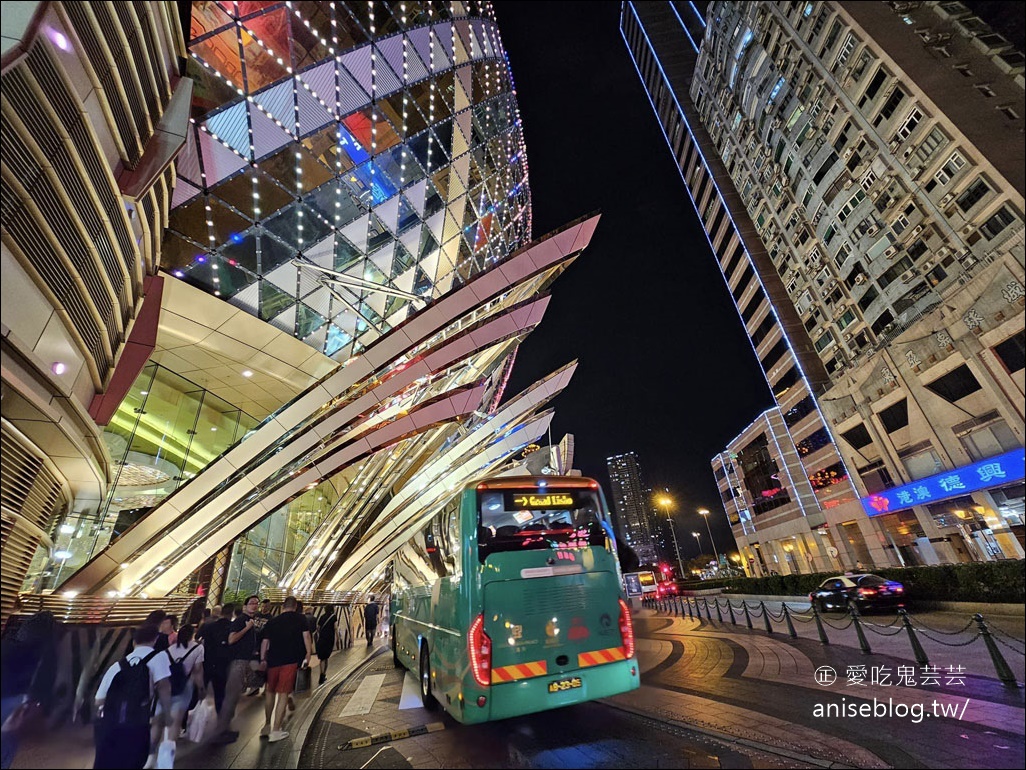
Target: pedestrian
x,y
325,642
243,653
185,658
370,619
157,618
28,663
124,702
216,657
285,647
259,679
169,628
859,567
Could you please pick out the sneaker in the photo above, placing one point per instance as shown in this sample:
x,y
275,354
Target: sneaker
x,y
265,731
277,735
228,736
252,691
322,679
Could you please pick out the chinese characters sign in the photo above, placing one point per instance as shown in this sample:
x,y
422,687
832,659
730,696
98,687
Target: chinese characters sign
x,y
1008,467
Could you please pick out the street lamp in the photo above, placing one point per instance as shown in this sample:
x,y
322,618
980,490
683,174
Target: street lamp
x,y
665,501
704,513
698,539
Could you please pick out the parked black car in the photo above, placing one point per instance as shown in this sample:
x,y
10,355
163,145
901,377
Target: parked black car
x,y
864,591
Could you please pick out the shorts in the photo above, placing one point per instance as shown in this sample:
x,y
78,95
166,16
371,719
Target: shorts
x,y
282,679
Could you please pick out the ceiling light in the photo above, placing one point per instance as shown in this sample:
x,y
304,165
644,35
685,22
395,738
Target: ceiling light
x,y
58,367
247,373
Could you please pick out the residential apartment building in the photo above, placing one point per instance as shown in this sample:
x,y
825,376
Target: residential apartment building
x,y
632,504
858,168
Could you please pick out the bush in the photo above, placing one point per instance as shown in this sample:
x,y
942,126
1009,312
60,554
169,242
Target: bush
x,y
986,581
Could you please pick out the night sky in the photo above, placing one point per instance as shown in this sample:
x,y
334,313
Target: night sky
x,y
666,369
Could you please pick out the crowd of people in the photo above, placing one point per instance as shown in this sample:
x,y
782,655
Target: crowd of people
x,y
149,694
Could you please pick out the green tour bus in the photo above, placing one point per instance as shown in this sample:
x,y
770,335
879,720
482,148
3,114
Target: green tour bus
x,y
509,601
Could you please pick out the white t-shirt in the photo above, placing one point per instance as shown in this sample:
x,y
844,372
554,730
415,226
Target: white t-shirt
x,y
159,666
188,663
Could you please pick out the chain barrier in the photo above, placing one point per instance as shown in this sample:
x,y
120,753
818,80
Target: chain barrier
x,y
1013,641
1006,644
837,628
923,627
897,620
873,627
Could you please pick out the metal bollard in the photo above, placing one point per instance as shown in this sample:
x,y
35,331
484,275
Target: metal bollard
x,y
765,617
787,619
719,615
917,648
748,618
687,602
730,609
819,626
1000,664
708,615
863,641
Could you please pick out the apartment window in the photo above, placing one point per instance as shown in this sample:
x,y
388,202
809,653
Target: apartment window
x,y
824,342
900,224
868,180
977,190
847,208
867,298
847,48
841,255
951,167
896,98
989,440
955,385
895,417
933,141
909,125
874,87
1002,219
858,436
1012,353
861,66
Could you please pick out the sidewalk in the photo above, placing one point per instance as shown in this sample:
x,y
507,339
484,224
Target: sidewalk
x,y
72,746
752,688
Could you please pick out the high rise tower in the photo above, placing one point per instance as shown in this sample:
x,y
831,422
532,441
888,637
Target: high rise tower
x,y
858,168
632,505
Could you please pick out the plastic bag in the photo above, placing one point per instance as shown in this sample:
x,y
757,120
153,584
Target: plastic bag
x,y
302,679
166,751
201,719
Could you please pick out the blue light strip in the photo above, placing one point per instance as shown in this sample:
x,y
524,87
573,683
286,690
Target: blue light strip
x,y
697,14
1005,468
726,209
683,26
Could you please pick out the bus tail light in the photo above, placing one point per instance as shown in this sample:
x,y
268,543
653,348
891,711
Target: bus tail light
x,y
626,630
479,649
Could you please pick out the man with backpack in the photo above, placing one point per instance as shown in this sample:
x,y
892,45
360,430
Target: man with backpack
x,y
124,702
216,655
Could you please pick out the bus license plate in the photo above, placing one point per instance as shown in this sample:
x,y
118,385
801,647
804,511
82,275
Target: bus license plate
x,y
560,685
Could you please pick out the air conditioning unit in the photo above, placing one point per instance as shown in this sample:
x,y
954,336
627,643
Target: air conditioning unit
x,y
894,145
848,337
908,276
849,152
890,251
874,194
916,230
907,153
942,252
927,266
947,199
847,184
872,230
967,229
860,278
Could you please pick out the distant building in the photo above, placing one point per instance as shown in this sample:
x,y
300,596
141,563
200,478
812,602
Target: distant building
x,y
858,169
631,502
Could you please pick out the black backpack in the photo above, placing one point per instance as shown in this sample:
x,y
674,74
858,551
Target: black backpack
x,y
178,676
129,700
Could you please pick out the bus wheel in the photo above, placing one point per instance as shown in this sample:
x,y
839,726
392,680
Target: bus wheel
x,y
425,679
395,653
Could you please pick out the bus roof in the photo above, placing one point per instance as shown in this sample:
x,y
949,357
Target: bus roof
x,y
519,482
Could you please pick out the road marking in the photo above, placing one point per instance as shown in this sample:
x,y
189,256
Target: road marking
x,y
394,735
410,699
364,697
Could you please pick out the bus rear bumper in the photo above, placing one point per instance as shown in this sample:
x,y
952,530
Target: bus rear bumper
x,y
528,696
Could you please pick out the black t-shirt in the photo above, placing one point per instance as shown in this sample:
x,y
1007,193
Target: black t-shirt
x,y
284,635
370,614
246,647
215,642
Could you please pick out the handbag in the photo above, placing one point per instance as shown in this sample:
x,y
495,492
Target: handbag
x,y
302,679
166,751
201,719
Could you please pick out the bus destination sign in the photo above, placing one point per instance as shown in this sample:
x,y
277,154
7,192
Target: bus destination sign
x,y
541,502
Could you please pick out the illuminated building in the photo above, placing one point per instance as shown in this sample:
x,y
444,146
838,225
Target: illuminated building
x,y
631,502
858,168
345,274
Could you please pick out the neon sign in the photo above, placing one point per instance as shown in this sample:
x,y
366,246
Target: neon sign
x,y
1008,467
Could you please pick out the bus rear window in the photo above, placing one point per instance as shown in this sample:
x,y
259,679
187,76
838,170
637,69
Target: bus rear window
x,y
519,520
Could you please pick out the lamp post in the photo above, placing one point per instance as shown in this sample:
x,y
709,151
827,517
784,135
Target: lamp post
x,y
665,501
704,513
698,539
